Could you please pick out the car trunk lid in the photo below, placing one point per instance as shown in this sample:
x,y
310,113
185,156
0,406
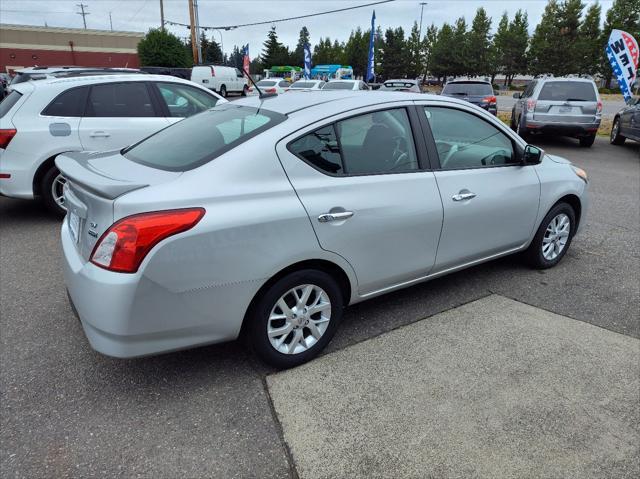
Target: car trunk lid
x,y
566,102
94,182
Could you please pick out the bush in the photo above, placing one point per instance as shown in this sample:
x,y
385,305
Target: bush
x,y
160,48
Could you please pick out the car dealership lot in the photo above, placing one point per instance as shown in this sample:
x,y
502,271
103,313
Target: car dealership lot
x,y
67,410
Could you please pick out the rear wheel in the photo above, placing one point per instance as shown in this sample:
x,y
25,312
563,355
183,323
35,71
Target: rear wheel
x,y
223,91
553,238
52,190
587,141
616,138
295,318
245,90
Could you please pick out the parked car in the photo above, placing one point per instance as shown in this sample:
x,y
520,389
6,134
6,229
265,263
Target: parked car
x,y
345,85
39,120
220,79
270,85
268,216
307,85
41,73
626,123
401,85
477,92
559,106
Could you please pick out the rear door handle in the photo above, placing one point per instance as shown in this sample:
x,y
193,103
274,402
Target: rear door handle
x,y
99,134
463,196
338,216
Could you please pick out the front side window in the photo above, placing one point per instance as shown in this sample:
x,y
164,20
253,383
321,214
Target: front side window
x,y
184,100
120,100
464,140
69,103
373,143
197,140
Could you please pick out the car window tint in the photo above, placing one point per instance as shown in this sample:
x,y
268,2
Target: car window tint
x,y
320,148
338,85
464,140
467,89
69,103
196,140
567,91
120,100
378,142
7,103
183,100
284,84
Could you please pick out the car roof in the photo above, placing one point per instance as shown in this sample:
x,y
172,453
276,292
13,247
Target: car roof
x,y
469,81
401,80
346,80
565,79
107,78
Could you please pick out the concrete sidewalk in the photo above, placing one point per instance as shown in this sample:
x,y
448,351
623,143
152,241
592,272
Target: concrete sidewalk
x,y
494,388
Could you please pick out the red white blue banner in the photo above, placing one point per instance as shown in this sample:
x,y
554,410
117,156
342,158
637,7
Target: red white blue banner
x,y
624,55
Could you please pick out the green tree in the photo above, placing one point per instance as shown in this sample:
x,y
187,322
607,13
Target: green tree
x,y
568,25
394,57
458,49
274,53
623,15
323,52
588,48
545,48
415,51
428,43
211,52
498,47
163,49
236,58
514,55
355,51
298,53
478,45
441,63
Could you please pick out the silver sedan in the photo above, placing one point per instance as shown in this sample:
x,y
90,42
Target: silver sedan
x,y
266,217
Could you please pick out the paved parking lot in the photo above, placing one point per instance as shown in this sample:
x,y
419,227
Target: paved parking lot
x,y
67,411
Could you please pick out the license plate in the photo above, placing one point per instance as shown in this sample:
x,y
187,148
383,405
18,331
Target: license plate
x,y
566,109
74,225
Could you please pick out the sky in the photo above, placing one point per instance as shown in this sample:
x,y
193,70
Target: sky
x,y
140,15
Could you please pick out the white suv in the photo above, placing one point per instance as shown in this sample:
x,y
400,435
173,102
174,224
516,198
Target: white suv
x,y
40,120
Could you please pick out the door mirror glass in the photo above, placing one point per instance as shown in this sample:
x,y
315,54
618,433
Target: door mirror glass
x,y
516,95
532,155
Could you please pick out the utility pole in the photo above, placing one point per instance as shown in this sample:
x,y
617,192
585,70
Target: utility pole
x,y
83,13
195,9
161,15
192,21
422,4
110,22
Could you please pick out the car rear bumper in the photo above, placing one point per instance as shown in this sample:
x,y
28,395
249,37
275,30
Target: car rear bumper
x,y
19,183
128,315
568,129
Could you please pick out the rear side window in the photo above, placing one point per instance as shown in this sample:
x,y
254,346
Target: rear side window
x,y
68,103
120,100
567,91
199,139
184,100
7,103
321,149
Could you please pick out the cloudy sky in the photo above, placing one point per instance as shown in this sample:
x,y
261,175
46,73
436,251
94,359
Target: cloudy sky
x,y
140,15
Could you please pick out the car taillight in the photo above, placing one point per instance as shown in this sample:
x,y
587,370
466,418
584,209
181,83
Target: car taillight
x,y
490,99
599,107
531,104
213,73
270,90
126,243
6,136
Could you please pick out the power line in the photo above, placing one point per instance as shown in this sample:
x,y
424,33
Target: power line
x,y
233,27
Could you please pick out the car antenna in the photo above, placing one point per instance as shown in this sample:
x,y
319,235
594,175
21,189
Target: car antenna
x,y
260,92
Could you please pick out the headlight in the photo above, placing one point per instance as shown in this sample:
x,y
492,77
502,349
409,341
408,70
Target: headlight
x,y
581,173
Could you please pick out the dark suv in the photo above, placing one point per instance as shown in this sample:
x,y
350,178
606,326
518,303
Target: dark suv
x,y
474,91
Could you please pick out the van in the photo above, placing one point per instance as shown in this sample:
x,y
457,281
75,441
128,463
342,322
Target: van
x,y
220,79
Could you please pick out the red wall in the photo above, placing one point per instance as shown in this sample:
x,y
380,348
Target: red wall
x,y
25,58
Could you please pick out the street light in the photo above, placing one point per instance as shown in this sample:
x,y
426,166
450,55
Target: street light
x,y
422,4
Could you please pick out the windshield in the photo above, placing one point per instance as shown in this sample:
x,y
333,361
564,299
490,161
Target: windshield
x,y
338,85
567,91
467,89
198,139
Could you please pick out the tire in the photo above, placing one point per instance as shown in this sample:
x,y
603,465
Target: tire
x,y
298,333
535,255
223,91
245,90
616,138
51,196
512,123
587,141
522,132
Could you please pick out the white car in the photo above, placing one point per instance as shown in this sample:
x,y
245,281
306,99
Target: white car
x,y
270,85
39,120
307,85
346,85
221,79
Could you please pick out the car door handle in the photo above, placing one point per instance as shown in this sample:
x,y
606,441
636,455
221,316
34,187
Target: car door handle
x,y
338,216
463,196
99,134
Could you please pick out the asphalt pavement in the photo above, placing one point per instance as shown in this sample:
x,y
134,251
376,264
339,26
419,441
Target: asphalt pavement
x,y
68,411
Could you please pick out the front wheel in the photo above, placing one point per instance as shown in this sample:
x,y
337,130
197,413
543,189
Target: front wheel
x,y
616,138
296,318
52,190
553,238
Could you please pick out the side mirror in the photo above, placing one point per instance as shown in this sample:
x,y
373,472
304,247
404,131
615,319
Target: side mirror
x,y
516,95
532,155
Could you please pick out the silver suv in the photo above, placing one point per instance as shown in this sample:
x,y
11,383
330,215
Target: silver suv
x,y
560,106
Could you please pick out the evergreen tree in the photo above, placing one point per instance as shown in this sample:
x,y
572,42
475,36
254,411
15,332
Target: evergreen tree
x,y
478,45
160,48
458,49
323,52
415,52
394,58
588,49
274,53
236,58
298,54
514,54
545,48
211,52
428,44
568,24
356,50
441,64
498,47
623,15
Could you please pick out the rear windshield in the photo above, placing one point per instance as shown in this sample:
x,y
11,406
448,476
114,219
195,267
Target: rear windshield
x,y
303,84
7,104
266,83
467,89
198,139
338,85
567,91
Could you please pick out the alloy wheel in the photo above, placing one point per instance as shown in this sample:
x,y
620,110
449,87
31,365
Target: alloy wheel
x,y
556,237
299,319
57,190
